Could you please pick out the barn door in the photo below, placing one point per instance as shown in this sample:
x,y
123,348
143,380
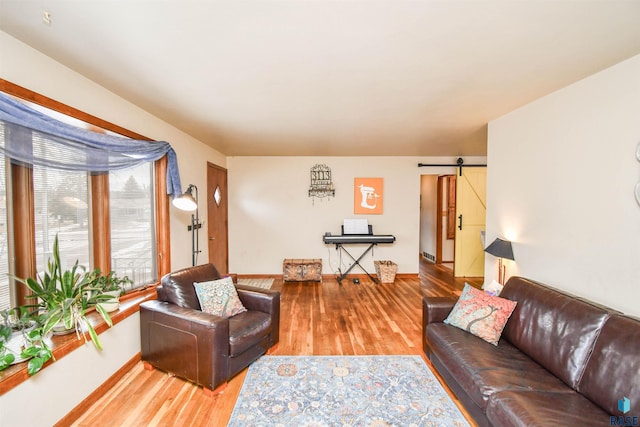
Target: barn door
x,y
470,215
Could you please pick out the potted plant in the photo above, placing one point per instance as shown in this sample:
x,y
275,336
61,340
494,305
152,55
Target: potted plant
x,y
64,296
21,339
110,285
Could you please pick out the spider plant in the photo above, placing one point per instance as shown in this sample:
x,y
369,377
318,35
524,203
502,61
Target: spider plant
x,y
64,296
112,285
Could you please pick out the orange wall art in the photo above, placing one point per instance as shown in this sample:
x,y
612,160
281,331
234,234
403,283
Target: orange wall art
x,y
368,196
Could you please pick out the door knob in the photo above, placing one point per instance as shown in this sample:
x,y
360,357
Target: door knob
x,y
212,238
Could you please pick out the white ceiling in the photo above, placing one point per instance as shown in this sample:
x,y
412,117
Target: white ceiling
x,y
332,77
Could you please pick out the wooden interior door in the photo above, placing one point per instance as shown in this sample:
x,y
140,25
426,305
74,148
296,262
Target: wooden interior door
x,y
217,217
471,209
446,216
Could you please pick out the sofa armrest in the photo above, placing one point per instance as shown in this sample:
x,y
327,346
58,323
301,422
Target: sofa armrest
x,y
434,310
258,299
266,301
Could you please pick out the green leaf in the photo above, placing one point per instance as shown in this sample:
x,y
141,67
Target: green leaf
x,y
35,334
5,332
51,320
35,364
105,315
94,336
6,361
30,352
35,286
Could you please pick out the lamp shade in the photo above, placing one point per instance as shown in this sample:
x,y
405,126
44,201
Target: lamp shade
x,y
186,201
501,249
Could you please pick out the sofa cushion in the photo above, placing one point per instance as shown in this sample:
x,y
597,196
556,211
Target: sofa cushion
x,y
480,314
613,370
540,408
246,329
482,369
553,328
219,297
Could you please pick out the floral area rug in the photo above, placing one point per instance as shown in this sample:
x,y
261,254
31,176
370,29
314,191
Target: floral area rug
x,y
343,391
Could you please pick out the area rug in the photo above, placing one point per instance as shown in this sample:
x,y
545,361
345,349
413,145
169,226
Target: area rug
x,y
257,283
344,391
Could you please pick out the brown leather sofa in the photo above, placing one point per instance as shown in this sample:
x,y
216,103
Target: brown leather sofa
x,y
177,337
561,360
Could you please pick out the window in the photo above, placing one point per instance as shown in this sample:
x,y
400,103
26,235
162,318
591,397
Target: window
x,y
132,224
61,208
5,295
123,230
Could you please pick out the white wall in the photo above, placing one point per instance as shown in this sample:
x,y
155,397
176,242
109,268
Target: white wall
x,y
272,218
61,387
560,185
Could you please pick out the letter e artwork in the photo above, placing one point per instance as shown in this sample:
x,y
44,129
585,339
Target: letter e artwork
x,y
368,196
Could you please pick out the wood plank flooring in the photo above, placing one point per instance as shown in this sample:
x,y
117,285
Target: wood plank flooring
x,y
316,319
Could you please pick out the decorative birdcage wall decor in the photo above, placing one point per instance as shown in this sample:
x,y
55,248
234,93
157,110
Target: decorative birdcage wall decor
x,y
321,183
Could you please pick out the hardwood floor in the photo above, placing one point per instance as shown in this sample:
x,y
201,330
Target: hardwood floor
x,y
316,319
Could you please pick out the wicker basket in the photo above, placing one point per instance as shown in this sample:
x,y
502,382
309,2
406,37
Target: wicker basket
x,y
386,271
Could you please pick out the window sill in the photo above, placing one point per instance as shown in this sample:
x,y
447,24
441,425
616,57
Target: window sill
x,y
65,344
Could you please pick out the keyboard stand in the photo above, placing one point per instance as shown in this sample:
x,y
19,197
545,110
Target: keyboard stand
x,y
355,262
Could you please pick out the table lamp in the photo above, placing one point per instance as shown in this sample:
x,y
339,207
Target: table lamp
x,y
502,249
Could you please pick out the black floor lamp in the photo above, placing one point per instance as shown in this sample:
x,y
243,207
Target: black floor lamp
x,y
187,202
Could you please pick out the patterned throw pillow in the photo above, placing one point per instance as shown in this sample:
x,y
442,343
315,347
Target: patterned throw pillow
x,y
219,297
481,314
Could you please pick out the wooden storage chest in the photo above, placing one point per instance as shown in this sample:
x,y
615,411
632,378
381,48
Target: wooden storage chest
x,y
302,270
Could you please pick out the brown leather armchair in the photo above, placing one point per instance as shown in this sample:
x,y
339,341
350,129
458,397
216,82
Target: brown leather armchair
x,y
179,338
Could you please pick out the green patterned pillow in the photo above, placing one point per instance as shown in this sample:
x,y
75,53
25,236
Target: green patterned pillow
x,y
219,297
481,314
